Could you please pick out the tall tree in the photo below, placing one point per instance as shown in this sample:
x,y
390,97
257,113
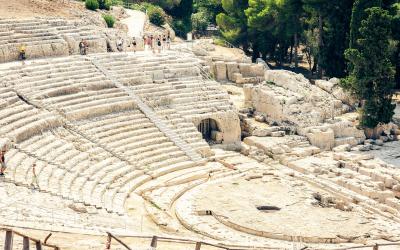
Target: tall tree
x,y
395,10
233,22
317,8
277,22
329,21
372,74
359,14
336,37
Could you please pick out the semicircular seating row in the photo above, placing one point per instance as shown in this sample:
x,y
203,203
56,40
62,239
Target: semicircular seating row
x,y
78,166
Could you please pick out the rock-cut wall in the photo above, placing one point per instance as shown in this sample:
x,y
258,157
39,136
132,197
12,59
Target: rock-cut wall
x,y
45,37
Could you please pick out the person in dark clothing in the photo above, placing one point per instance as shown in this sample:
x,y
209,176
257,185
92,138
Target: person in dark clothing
x,y
158,41
22,52
164,42
2,162
82,47
134,45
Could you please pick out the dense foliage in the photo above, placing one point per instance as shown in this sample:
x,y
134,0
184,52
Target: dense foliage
x,y
104,4
157,15
372,75
110,20
92,4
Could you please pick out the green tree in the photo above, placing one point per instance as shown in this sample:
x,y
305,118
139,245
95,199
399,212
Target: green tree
x,y
317,11
336,37
233,22
372,75
211,8
395,10
359,14
278,23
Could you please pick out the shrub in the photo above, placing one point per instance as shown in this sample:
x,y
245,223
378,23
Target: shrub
x,y
139,7
200,21
92,4
116,2
181,27
105,4
110,20
156,15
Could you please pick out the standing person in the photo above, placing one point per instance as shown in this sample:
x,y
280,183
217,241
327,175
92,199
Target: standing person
x,y
134,45
152,43
82,47
146,43
120,44
164,42
168,41
34,183
22,52
2,162
159,45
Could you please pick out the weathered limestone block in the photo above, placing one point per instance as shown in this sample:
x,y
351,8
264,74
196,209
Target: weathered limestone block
x,y
232,68
268,103
220,71
245,69
325,85
288,80
383,195
247,92
259,118
393,202
342,148
257,70
244,80
245,149
396,116
260,132
237,77
346,129
340,94
324,139
158,75
199,51
278,134
346,141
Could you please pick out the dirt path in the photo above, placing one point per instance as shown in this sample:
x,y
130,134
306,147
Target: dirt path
x,y
135,22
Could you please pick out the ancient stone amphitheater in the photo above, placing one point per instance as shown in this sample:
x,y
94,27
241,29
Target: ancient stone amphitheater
x,y
121,142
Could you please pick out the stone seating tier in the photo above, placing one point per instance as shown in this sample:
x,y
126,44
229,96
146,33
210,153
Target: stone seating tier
x,y
46,37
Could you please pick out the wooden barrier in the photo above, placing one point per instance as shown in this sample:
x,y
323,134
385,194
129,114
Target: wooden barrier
x,y
153,243
8,245
198,246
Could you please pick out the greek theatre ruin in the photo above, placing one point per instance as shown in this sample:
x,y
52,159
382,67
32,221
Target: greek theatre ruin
x,y
188,143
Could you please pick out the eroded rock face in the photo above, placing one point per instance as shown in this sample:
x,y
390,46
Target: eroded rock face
x,y
396,117
312,110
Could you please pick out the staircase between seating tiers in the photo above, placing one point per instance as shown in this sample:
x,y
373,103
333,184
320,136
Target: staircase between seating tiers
x,y
151,114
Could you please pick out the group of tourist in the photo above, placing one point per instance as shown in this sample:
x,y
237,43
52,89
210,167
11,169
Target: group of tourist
x,y
153,43
120,45
157,43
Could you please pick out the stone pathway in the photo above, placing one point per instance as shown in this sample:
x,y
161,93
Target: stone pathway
x,y
135,22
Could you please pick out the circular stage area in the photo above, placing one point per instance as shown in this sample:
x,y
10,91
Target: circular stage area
x,y
283,209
